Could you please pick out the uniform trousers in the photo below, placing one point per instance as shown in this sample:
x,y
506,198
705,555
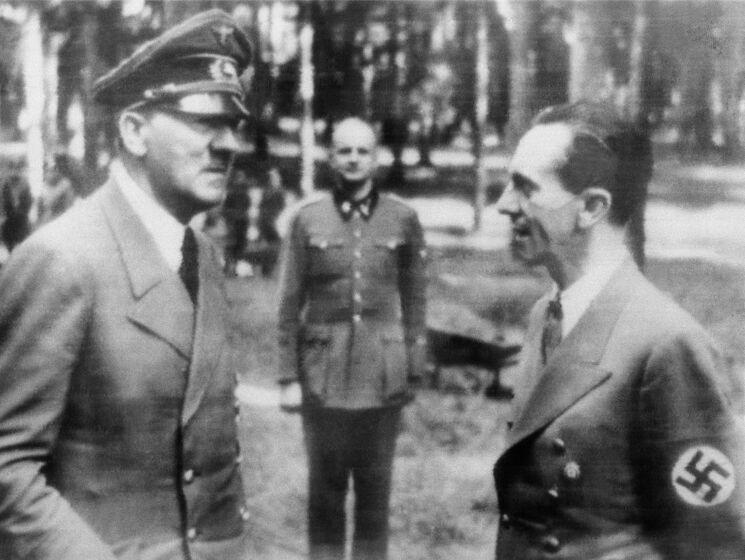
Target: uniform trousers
x,y
349,443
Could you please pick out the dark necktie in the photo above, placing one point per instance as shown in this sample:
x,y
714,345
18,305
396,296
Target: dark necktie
x,y
552,327
189,269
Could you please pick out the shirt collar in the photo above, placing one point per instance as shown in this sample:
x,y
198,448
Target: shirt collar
x,y
576,299
166,231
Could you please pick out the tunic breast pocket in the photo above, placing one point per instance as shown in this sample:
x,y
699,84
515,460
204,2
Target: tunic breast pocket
x,y
385,254
315,349
328,257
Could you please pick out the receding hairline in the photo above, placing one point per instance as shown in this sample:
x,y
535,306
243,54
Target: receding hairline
x,y
354,126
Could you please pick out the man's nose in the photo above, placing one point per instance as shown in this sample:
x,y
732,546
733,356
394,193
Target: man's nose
x,y
228,140
509,202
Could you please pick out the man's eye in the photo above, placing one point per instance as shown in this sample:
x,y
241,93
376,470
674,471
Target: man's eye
x,y
344,151
522,186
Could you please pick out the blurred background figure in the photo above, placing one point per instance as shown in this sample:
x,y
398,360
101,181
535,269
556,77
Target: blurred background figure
x,y
235,214
270,206
57,194
16,204
252,206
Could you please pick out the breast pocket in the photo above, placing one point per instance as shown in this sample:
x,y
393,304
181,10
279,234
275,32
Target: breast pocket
x,y
385,255
328,257
315,354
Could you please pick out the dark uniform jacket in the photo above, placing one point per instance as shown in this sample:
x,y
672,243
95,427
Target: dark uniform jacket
x,y
624,445
117,426
352,303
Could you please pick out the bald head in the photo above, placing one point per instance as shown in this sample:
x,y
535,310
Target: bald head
x,y
353,128
353,155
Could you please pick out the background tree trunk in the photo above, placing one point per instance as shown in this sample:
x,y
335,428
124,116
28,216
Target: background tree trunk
x,y
587,61
639,105
696,74
481,109
307,133
33,85
732,78
521,68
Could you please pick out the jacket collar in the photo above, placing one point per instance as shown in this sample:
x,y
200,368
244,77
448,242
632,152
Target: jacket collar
x,y
575,369
151,281
200,339
364,207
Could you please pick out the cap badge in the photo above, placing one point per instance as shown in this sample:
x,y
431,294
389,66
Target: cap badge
x,y
223,70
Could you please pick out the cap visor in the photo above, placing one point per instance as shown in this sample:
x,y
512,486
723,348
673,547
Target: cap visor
x,y
210,104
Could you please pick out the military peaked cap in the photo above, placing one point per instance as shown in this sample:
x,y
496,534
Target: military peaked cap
x,y
199,66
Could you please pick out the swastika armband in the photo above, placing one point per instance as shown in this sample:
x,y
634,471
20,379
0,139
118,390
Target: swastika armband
x,y
703,476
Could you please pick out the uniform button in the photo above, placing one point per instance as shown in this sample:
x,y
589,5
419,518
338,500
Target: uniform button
x,y
550,543
559,446
357,233
239,459
357,254
191,534
505,520
188,475
245,514
554,492
572,471
357,297
356,318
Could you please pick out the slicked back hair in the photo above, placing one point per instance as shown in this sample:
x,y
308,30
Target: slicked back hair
x,y
605,152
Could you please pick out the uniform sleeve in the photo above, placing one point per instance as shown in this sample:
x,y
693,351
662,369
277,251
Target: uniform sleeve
x,y
413,288
43,316
692,479
291,300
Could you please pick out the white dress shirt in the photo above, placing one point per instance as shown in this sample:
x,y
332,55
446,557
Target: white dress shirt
x,y
576,299
166,231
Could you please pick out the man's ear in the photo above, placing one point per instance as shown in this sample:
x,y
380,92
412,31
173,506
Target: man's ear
x,y
133,132
596,203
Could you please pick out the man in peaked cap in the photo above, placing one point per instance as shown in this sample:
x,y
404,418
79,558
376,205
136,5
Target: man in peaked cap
x,y
118,432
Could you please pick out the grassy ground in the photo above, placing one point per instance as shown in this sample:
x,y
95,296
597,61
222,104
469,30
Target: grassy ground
x,y
443,504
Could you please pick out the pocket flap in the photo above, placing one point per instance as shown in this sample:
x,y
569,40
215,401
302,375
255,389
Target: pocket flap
x,y
391,243
324,243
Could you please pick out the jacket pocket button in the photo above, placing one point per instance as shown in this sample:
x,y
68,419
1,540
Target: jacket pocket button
x,y
572,471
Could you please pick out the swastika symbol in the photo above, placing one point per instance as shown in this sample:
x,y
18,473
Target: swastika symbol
x,y
703,476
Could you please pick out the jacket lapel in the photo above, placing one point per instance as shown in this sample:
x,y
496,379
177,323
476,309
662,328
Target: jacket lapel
x,y
210,331
574,369
160,304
